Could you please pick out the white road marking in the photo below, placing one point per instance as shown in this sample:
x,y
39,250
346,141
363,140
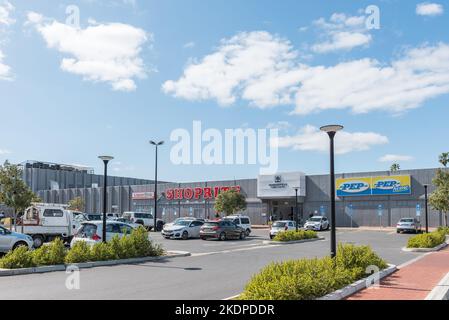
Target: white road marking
x,y
234,250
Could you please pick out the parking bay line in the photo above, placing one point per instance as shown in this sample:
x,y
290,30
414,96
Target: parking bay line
x,y
234,250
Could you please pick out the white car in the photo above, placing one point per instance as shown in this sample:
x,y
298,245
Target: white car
x,y
408,225
241,221
12,240
183,229
92,232
317,224
282,226
144,219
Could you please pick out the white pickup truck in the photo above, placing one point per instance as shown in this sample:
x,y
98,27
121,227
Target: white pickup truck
x,y
45,222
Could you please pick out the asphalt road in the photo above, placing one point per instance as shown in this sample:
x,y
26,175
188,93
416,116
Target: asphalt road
x,y
216,270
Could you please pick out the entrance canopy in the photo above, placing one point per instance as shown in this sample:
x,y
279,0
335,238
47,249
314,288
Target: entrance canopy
x,y
281,185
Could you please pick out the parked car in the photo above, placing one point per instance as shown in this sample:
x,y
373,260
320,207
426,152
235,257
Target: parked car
x,y
222,230
282,226
317,223
185,218
408,225
124,220
93,217
45,222
183,229
144,219
92,232
242,221
12,240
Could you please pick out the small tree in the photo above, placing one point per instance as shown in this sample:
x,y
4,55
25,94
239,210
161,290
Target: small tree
x,y
444,159
395,167
230,202
77,204
439,199
14,192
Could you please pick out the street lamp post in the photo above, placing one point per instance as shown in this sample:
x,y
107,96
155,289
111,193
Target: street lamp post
x,y
106,160
427,207
332,130
297,211
156,144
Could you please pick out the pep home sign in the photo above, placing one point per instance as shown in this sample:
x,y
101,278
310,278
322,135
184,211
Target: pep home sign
x,y
374,186
281,185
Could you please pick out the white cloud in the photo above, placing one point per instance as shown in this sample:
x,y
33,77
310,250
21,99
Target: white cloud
x,y
5,70
429,9
341,32
241,66
395,158
189,45
4,152
310,138
108,52
265,70
6,9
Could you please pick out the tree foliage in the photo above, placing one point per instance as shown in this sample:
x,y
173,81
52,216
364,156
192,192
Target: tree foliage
x,y
395,167
77,204
230,202
14,192
444,159
439,199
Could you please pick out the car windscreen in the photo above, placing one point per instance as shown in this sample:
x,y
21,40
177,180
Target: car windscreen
x,y
279,224
142,216
87,230
183,223
407,220
315,219
94,217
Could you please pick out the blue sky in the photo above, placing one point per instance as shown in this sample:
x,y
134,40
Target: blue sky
x,y
68,97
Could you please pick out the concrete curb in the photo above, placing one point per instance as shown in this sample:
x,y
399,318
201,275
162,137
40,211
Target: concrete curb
x,y
268,242
357,286
46,269
441,291
437,248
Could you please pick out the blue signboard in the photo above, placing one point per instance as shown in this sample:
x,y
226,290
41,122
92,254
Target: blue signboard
x,y
323,211
380,210
418,210
191,211
350,210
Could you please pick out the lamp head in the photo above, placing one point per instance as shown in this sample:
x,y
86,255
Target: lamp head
x,y
106,158
332,128
157,143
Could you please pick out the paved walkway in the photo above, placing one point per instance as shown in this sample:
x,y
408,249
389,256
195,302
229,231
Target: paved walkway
x,y
412,282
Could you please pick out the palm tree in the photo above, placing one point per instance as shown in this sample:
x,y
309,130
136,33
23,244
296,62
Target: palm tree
x,y
395,167
444,159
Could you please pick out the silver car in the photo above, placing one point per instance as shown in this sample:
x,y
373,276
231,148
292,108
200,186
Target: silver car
x,y
11,240
408,225
317,223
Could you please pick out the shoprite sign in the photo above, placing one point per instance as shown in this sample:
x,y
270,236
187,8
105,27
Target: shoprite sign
x,y
374,186
197,193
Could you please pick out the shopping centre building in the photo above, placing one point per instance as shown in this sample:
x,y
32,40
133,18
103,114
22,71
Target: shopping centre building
x,y
363,199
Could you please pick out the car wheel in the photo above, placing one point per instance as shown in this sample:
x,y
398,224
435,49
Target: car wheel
x,y
248,232
19,244
271,237
243,235
38,241
160,226
222,236
185,235
203,238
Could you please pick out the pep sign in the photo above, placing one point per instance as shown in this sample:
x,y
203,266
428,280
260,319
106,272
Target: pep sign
x,y
380,186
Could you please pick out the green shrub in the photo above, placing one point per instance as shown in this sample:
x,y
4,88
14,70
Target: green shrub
x,y
51,254
308,279
144,247
79,253
17,259
102,252
427,240
295,235
445,230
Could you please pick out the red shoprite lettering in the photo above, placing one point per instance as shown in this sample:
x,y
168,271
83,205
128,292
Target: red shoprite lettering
x,y
196,193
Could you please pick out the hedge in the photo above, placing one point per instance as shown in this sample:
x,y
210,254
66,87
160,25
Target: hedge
x,y
428,240
136,245
286,236
308,279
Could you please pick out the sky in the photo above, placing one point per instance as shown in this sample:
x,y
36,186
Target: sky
x,y
83,78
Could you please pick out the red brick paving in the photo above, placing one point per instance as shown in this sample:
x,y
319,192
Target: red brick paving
x,y
413,282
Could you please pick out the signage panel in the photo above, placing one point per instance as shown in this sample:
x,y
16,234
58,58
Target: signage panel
x,y
281,185
374,186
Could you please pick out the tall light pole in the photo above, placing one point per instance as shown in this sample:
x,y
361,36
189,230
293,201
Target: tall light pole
x,y
427,207
332,130
106,160
156,144
297,209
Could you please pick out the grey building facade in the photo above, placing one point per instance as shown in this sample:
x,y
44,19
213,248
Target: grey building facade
x,y
197,199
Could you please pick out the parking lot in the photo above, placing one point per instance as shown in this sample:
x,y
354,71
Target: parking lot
x,y
216,270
